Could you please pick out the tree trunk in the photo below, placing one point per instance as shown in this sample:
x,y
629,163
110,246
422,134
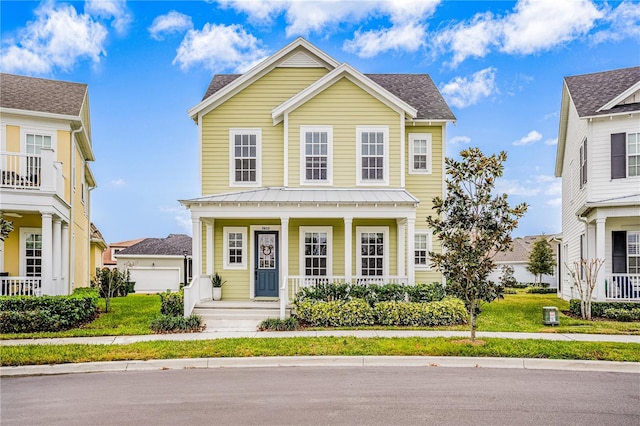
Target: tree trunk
x,y
473,321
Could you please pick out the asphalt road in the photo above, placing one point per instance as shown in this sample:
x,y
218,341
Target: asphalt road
x,y
324,396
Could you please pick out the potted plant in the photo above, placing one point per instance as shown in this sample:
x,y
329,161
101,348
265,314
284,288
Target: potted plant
x,y
216,284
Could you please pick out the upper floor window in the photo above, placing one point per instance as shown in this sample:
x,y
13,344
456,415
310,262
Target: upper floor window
x,y
373,155
245,157
422,247
420,153
583,163
625,155
316,152
35,143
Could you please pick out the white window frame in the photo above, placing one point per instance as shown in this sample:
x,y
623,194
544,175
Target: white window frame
x,y
583,165
637,254
628,155
303,157
429,167
245,247
385,262
385,155
429,235
27,130
232,166
23,247
329,231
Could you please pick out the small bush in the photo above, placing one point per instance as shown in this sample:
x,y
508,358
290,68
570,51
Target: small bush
x,y
172,304
325,292
277,324
426,293
448,311
335,314
598,308
541,290
176,324
509,290
85,290
29,314
622,315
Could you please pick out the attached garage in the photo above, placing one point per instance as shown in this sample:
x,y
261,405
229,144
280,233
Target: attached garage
x,y
155,280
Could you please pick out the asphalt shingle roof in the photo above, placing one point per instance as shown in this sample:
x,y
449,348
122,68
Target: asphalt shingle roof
x,y
173,245
590,92
521,249
41,95
418,90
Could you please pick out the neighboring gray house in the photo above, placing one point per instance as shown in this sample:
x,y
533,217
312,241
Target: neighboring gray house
x,y
518,258
157,264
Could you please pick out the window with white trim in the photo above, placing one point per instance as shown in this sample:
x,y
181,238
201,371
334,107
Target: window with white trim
x,y
316,144
633,154
315,245
583,163
34,143
422,247
420,153
31,248
373,155
235,247
244,157
372,252
633,252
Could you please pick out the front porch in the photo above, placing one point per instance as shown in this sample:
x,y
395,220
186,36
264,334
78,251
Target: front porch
x,y
622,287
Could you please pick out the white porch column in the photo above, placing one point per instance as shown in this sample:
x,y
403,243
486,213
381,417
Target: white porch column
x,y
599,293
411,265
57,257
348,248
402,248
210,246
196,247
46,274
284,265
64,259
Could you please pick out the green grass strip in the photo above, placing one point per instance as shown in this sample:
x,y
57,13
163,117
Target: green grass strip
x,y
319,346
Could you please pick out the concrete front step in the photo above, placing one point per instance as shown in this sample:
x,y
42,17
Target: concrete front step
x,y
237,315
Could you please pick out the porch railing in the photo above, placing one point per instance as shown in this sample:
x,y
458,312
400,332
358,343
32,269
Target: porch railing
x,y
293,284
31,171
622,287
198,289
20,286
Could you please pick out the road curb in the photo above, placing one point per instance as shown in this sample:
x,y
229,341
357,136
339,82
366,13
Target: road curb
x,y
323,361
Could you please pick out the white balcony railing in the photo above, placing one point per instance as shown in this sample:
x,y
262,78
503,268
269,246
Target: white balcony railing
x,y
31,171
622,287
20,286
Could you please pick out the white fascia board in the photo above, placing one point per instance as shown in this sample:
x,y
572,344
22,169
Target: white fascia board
x,y
356,77
257,71
621,97
150,256
617,114
562,128
72,118
429,122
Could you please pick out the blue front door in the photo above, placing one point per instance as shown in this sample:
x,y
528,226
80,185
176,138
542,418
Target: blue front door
x,y
266,263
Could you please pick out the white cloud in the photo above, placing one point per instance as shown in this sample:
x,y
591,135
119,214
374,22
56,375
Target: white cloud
x,y
218,48
515,188
118,182
171,23
182,217
531,137
555,202
623,21
462,92
472,39
409,37
58,38
555,188
553,141
110,9
459,139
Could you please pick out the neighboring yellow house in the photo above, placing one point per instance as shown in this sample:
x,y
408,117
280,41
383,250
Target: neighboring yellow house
x,y
45,183
314,172
97,249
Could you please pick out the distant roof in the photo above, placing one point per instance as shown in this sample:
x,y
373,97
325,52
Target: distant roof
x,y
41,95
95,233
173,245
590,92
311,196
522,249
107,256
418,90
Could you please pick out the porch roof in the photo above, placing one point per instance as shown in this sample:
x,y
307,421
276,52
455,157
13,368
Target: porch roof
x,y
295,196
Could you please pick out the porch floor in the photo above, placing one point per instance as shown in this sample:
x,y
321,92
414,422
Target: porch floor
x,y
237,315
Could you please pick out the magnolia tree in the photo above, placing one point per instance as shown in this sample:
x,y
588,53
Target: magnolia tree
x,y
473,225
585,277
541,260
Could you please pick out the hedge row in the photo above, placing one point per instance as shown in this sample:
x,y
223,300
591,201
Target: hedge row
x,y
598,308
372,293
622,314
358,312
28,314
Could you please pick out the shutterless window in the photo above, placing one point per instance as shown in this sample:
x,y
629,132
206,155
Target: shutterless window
x,y
34,145
316,157
372,154
235,247
633,154
372,253
421,249
420,152
633,252
315,253
33,255
245,147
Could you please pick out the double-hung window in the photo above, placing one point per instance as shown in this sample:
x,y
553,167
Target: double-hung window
x,y
316,145
34,143
583,163
245,157
625,155
315,243
373,155
633,252
420,153
372,254
633,154
422,247
235,247
31,247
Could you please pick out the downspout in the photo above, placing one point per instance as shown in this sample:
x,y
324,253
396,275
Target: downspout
x,y
72,249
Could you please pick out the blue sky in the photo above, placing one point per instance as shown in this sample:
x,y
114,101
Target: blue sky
x,y
499,64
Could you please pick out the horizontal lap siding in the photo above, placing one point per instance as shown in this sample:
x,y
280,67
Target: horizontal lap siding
x,y
251,108
344,106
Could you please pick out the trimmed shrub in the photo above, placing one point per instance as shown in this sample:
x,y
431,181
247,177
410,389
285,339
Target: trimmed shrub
x,y
325,292
277,324
541,290
335,314
598,308
29,314
622,314
172,304
176,324
448,311
509,290
426,293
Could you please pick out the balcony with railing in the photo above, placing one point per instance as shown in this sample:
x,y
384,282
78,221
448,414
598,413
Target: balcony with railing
x,y
31,172
622,287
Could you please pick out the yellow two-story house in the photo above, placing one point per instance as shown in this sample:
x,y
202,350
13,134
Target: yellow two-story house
x,y
314,172
45,185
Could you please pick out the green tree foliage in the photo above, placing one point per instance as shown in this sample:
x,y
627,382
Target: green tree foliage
x,y
111,283
541,260
472,225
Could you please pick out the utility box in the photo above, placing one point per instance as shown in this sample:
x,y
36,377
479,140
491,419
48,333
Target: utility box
x,y
550,315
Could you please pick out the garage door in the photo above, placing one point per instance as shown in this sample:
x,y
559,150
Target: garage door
x,y
155,280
